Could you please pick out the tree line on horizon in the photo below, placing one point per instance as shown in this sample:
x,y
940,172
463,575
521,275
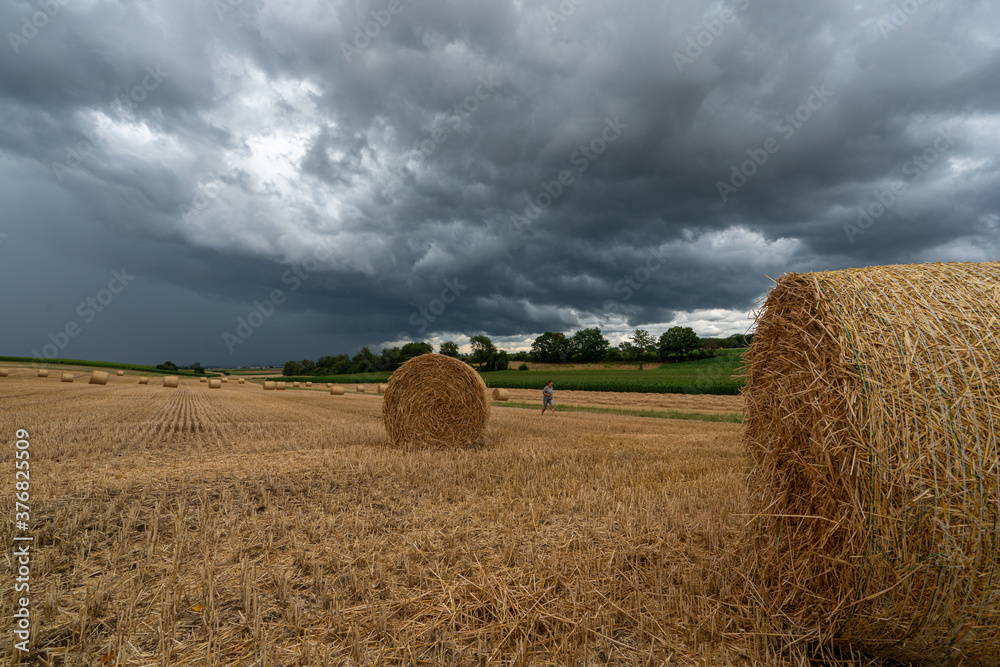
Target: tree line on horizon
x,y
585,346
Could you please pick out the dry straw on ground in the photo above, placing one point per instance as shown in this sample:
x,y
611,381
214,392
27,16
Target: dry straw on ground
x,y
171,381
500,395
215,384
269,386
42,373
435,401
66,377
143,380
872,415
337,390
99,377
120,373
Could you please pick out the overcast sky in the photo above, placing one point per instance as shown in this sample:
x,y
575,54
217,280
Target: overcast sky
x,y
428,170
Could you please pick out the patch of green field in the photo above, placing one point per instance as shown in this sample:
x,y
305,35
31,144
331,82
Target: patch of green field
x,y
732,417
152,370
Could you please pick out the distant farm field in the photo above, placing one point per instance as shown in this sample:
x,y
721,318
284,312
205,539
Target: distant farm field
x,y
234,526
705,376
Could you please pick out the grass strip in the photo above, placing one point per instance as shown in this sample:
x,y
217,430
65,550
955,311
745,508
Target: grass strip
x,y
728,417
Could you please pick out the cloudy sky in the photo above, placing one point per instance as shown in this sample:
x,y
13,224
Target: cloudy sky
x,y
249,181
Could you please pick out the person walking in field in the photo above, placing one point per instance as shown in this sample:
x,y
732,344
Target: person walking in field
x,y
547,399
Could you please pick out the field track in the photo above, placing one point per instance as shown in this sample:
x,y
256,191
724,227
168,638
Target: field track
x,y
193,526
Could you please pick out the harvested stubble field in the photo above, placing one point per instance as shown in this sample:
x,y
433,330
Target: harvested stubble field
x,y
235,526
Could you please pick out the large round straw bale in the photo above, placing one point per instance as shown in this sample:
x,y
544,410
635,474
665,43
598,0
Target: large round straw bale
x,y
381,388
42,373
241,381
120,373
872,414
329,384
359,388
309,384
3,372
269,386
202,379
171,381
500,395
66,377
337,390
435,401
280,386
143,380
225,380
99,377
215,384
295,384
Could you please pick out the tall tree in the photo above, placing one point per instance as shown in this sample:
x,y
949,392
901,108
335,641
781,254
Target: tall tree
x,y
449,348
482,348
550,348
678,342
588,346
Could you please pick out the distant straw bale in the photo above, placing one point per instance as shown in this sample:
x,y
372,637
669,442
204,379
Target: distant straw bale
x,y
215,384
337,390
269,386
143,380
42,373
435,401
500,395
171,381
872,413
280,386
99,377
120,373
67,377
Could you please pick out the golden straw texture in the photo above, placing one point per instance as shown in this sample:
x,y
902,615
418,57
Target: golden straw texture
x,y
381,388
171,381
500,395
3,372
435,401
359,388
241,381
872,412
269,386
337,390
66,377
215,384
42,373
280,386
120,373
99,377
143,380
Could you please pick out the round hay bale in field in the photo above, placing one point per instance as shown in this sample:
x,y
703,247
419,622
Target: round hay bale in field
x,y
872,409
120,373
42,373
435,401
359,388
171,381
329,384
225,380
295,384
280,386
99,377
381,388
500,395
202,379
269,386
337,390
143,380
215,384
66,377
3,372
309,384
241,381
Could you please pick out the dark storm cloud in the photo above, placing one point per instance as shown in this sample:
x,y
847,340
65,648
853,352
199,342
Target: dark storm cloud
x,y
426,170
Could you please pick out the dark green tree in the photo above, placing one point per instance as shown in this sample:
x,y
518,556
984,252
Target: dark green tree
x,y
482,348
196,367
167,366
550,348
678,342
449,348
411,350
291,368
588,345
